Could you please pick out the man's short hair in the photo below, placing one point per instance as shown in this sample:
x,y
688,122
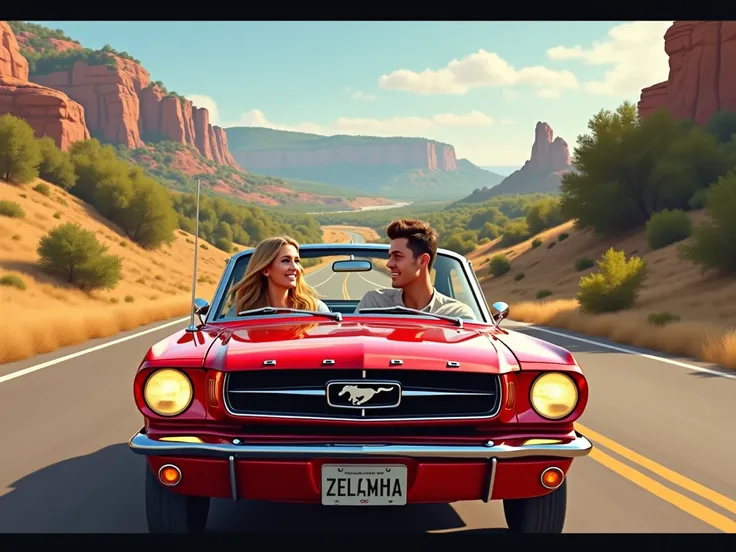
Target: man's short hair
x,y
421,237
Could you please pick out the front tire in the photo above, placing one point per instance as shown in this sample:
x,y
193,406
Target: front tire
x,y
170,512
541,514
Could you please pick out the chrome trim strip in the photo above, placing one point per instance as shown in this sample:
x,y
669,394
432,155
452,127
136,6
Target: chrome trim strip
x,y
322,393
332,249
229,410
488,492
233,480
140,443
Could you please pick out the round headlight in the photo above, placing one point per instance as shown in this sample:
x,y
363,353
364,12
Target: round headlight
x,y
168,392
554,395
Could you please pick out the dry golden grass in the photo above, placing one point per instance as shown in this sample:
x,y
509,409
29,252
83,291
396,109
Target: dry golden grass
x,y
706,304
156,285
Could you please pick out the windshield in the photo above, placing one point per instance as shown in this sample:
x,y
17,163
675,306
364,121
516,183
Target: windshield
x,y
342,291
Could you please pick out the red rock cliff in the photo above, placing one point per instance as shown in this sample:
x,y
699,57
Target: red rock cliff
x,y
124,107
702,78
415,154
50,112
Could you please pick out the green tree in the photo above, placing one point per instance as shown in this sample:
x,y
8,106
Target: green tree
x,y
543,214
713,244
722,125
56,165
20,154
74,255
149,219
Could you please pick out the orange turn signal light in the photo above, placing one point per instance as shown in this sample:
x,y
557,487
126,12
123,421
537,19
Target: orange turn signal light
x,y
169,475
552,478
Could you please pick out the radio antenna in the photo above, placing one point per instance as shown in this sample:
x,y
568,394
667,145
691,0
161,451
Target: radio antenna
x,y
192,327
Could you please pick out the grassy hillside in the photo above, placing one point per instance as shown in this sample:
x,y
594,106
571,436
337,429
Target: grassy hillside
x,y
392,181
47,313
679,309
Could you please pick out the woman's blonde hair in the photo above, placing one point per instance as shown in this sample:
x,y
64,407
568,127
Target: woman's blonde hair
x,y
252,291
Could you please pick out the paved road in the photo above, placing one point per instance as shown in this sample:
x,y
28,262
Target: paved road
x,y
66,466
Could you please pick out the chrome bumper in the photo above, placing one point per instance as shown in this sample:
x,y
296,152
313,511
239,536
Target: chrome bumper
x,y
140,443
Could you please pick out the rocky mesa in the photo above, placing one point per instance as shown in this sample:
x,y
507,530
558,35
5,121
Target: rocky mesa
x,y
50,112
121,103
702,77
408,154
542,173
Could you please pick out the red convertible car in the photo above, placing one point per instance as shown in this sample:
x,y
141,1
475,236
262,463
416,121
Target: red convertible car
x,y
386,408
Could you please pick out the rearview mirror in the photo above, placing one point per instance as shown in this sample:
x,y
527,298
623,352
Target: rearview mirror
x,y
352,266
499,310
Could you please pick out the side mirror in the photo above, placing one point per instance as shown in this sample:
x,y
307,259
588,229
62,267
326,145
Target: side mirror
x,y
201,308
499,310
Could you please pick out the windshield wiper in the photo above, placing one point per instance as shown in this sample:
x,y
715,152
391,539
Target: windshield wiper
x,y
455,319
275,310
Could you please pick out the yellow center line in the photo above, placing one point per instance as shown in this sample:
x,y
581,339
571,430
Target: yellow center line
x,y
665,473
345,293
688,505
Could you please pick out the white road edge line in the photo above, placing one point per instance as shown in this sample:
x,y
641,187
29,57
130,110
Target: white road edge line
x,y
628,351
83,352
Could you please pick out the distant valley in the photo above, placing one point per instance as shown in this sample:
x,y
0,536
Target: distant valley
x,y
397,168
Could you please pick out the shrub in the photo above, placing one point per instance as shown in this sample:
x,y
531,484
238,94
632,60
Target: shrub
x,y
583,263
74,255
11,209
129,298
713,241
662,318
616,284
667,227
56,166
499,265
542,293
519,276
514,232
13,280
550,245
563,236
43,189
536,242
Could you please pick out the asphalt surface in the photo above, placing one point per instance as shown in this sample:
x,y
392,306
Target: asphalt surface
x,y
66,466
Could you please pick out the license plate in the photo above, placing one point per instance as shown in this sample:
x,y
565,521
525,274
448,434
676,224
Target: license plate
x,y
352,485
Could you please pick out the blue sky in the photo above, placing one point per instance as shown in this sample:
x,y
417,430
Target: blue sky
x,y
369,77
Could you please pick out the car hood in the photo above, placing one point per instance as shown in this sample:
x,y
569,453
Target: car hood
x,y
356,344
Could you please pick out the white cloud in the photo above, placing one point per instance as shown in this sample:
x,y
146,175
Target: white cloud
x,y
208,103
476,70
394,126
359,94
635,53
507,121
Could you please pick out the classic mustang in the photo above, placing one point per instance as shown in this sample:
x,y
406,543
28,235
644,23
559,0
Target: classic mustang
x,y
386,408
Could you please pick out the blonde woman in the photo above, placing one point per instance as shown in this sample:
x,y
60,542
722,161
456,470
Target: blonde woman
x,y
275,278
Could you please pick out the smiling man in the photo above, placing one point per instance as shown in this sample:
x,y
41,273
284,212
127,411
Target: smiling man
x,y
411,256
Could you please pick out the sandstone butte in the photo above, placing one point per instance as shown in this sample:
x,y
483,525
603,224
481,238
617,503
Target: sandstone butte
x,y
410,154
120,104
702,77
549,160
50,112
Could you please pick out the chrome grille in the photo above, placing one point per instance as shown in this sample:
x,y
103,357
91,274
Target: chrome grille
x,y
426,394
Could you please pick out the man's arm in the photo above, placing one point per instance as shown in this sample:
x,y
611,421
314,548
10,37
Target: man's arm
x,y
459,309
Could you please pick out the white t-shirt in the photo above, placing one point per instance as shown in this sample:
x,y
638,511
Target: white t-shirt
x,y
438,304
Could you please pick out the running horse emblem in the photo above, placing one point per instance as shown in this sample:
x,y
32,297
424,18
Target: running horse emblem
x,y
360,395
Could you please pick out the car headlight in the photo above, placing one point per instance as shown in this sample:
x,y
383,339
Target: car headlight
x,y
554,395
168,392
